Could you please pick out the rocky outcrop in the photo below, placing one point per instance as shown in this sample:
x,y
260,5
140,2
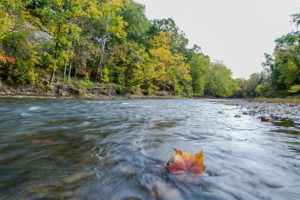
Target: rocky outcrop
x,y
104,90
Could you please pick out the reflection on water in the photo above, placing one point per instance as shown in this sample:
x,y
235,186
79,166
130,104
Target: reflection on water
x,y
117,149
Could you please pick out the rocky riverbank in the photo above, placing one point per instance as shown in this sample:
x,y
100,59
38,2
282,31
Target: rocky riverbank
x,y
292,100
76,90
285,113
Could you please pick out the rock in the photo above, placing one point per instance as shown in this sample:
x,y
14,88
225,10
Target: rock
x,y
42,142
162,93
275,117
170,161
76,177
128,170
60,90
67,194
103,90
73,91
162,191
131,198
38,36
264,119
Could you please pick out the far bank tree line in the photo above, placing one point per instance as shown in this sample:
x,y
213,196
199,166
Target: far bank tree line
x,y
112,42
281,75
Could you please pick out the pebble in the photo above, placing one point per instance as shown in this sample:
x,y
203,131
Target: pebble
x,y
163,191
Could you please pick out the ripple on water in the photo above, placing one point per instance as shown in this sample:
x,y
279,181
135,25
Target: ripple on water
x,y
34,108
116,149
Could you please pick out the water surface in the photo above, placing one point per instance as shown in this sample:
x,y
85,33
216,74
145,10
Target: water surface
x,y
117,149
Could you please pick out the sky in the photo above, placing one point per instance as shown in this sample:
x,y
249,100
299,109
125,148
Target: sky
x,y
237,32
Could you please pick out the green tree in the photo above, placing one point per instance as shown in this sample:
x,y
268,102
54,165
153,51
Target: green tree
x,y
219,81
199,67
284,64
107,23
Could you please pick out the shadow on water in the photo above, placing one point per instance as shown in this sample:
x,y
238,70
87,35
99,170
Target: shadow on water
x,y
117,149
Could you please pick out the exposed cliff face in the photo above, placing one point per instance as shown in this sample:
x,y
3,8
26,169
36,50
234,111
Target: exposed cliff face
x,y
38,35
41,36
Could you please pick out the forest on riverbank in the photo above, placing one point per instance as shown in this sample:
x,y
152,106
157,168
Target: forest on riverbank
x,y
92,44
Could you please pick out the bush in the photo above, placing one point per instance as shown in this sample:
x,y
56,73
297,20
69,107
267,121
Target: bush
x,y
121,90
85,85
294,89
265,90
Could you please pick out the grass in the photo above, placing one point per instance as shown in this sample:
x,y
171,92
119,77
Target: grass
x,y
86,84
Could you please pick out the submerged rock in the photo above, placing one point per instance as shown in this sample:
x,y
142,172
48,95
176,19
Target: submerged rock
x,y
128,170
42,142
274,117
264,119
163,191
76,177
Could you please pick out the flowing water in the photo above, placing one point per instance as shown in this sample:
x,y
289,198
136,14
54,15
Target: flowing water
x,y
117,149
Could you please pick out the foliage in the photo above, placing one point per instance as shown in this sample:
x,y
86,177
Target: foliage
x,y
199,68
171,72
113,42
219,82
294,89
17,53
281,75
284,64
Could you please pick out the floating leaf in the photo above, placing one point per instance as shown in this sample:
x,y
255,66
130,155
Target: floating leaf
x,y
184,163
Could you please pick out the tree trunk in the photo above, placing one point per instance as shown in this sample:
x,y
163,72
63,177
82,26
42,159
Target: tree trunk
x,y
52,77
56,55
71,60
53,71
103,43
65,70
70,68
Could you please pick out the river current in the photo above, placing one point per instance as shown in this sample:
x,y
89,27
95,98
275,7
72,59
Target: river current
x,y
117,149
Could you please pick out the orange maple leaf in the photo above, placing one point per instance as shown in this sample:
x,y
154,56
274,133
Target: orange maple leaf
x,y
184,163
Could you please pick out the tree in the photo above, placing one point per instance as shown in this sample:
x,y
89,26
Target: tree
x,y
219,82
107,23
17,50
178,41
138,25
284,64
62,18
172,73
199,67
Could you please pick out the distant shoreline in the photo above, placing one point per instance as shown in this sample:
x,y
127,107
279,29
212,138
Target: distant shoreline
x,y
107,92
274,100
88,97
132,97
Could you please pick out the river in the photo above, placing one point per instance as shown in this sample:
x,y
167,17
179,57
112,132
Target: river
x,y
117,149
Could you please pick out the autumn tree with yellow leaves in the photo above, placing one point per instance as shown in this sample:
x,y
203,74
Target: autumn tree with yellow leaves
x,y
107,42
